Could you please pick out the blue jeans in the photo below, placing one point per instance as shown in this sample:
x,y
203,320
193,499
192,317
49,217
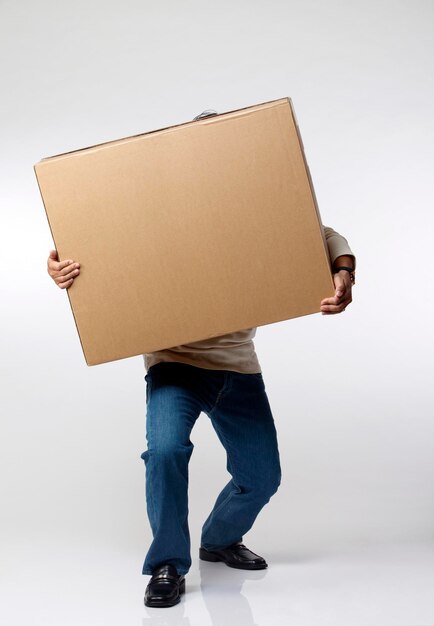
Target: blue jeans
x,y
238,407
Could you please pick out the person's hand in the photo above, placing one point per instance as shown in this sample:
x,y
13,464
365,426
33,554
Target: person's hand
x,y
342,297
62,272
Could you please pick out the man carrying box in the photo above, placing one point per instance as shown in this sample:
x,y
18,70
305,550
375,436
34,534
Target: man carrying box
x,y
222,377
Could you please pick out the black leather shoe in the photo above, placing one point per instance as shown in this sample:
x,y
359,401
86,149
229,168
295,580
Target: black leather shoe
x,y
165,587
235,555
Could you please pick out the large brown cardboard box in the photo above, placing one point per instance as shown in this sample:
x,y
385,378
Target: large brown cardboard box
x,y
188,232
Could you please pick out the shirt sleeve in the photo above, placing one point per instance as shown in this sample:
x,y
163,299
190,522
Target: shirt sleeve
x,y
337,245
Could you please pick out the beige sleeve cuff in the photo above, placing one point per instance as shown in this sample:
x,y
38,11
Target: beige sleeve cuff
x,y
337,245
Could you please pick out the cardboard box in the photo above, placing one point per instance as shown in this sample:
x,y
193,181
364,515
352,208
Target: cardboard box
x,y
188,232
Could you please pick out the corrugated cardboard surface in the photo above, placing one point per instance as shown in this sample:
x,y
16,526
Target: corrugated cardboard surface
x,y
189,232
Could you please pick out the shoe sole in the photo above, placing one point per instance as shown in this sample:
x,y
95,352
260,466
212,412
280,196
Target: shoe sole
x,y
213,558
162,603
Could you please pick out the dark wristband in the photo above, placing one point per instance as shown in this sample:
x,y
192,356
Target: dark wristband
x,y
348,269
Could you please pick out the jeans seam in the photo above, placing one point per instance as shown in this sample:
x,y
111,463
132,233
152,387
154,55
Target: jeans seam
x,y
217,401
222,391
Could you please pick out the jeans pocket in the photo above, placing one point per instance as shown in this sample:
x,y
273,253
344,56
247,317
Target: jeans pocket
x,y
148,380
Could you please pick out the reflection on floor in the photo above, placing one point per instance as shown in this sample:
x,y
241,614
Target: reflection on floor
x,y
52,583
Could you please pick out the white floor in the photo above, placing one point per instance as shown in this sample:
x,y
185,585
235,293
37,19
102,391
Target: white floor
x,y
376,585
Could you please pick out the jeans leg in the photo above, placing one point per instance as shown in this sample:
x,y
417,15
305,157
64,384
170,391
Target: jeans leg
x,y
172,410
245,426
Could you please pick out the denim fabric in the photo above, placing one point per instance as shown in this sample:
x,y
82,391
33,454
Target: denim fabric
x,y
237,404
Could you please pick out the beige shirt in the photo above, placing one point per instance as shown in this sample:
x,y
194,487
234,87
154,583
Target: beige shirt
x,y
234,351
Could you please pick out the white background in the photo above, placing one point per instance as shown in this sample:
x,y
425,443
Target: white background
x,y
351,394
